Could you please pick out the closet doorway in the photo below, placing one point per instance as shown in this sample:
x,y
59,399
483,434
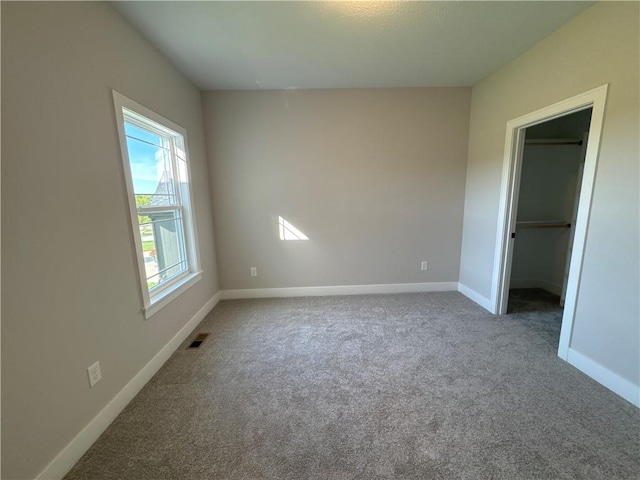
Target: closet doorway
x,y
547,207
547,185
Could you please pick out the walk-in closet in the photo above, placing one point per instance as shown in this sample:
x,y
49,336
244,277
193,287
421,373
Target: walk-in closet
x,y
549,188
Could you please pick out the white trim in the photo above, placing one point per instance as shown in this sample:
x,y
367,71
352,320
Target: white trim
x,y
471,294
614,382
514,144
599,99
339,290
524,283
67,458
555,288
513,150
153,301
170,293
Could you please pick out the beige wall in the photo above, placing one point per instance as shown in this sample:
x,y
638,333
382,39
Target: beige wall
x,y
374,177
70,287
600,46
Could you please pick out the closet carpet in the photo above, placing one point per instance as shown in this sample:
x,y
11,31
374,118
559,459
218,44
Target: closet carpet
x,y
407,386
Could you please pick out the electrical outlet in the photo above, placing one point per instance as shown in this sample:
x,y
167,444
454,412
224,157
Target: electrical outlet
x,y
424,266
94,374
254,272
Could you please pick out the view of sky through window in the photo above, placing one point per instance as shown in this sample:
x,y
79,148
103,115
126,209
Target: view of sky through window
x,y
144,148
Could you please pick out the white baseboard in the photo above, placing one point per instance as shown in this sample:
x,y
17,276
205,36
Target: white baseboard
x,y
471,294
614,382
67,458
551,287
536,283
339,290
524,283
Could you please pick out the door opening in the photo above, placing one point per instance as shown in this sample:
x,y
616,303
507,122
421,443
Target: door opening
x,y
592,101
547,199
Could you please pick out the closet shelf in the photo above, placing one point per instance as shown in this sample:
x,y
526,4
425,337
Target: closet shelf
x,y
543,224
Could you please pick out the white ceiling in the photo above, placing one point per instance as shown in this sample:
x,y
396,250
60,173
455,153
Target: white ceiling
x,y
318,44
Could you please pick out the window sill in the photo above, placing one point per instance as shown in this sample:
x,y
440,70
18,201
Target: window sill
x,y
169,294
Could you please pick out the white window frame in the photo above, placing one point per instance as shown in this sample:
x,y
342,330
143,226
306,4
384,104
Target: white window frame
x,y
155,300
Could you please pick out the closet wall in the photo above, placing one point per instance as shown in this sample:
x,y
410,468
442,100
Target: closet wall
x,y
547,193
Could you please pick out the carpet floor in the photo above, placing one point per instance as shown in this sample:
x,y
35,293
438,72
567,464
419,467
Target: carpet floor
x,y
407,386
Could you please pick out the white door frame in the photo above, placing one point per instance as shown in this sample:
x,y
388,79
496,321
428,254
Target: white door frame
x,y
514,147
574,216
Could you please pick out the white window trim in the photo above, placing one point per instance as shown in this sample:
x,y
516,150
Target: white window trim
x,y
154,303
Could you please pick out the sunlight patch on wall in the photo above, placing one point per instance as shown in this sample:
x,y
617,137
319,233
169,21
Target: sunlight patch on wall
x,y
289,232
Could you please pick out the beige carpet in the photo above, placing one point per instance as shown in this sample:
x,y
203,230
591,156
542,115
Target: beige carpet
x,y
409,386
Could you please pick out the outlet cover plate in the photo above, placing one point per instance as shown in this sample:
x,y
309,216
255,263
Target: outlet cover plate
x,y
95,375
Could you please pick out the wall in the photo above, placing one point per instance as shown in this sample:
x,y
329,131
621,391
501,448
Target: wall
x,y
600,46
374,177
71,293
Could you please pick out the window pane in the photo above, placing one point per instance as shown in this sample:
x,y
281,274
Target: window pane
x,y
134,131
162,246
151,171
158,199
180,145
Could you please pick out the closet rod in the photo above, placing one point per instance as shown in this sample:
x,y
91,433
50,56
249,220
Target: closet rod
x,y
533,143
543,225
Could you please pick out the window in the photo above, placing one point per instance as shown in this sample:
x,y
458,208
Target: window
x,y
156,167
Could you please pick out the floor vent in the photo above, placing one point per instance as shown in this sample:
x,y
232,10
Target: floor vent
x,y
198,340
